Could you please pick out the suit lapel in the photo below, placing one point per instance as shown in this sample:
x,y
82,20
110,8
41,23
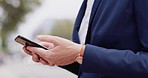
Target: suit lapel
x,y
80,17
78,22
93,13
94,9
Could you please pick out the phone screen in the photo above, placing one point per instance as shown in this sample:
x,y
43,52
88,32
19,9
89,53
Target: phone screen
x,y
26,42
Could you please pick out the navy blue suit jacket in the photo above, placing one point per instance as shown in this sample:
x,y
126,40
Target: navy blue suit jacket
x,y
117,39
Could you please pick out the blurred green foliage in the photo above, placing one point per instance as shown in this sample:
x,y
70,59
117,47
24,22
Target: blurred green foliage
x,y
11,14
63,28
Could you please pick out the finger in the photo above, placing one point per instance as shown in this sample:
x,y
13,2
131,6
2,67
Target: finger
x,y
47,38
27,51
50,64
35,57
47,45
44,62
39,51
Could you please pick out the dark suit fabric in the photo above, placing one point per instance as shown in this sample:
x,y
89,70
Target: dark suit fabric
x,y
117,39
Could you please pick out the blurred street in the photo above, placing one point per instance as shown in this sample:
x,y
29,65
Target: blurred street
x,y
29,69
29,18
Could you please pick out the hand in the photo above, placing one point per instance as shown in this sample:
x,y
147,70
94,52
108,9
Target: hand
x,y
63,53
36,57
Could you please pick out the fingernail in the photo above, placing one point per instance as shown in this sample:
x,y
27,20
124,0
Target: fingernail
x,y
28,47
37,60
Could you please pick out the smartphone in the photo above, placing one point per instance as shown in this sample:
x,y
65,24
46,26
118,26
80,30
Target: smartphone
x,y
26,42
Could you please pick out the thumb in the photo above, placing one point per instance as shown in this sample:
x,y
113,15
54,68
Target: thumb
x,y
39,51
47,45
48,38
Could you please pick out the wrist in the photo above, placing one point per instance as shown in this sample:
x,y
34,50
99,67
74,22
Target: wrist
x,y
82,50
80,55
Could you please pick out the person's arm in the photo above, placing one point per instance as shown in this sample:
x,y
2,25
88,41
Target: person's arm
x,y
121,63
115,63
74,68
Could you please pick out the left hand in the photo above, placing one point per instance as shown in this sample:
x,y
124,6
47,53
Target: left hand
x,y
35,57
64,52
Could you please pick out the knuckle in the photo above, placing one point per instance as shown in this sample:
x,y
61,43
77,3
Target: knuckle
x,y
51,64
43,62
33,59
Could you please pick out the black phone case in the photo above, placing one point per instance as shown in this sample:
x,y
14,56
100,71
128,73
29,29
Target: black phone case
x,y
26,42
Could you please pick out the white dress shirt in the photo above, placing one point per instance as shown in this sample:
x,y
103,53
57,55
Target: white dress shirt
x,y
85,22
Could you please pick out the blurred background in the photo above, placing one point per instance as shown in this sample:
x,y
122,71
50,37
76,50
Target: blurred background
x,y
30,18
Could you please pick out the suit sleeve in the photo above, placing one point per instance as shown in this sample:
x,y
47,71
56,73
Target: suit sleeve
x,y
73,68
121,63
